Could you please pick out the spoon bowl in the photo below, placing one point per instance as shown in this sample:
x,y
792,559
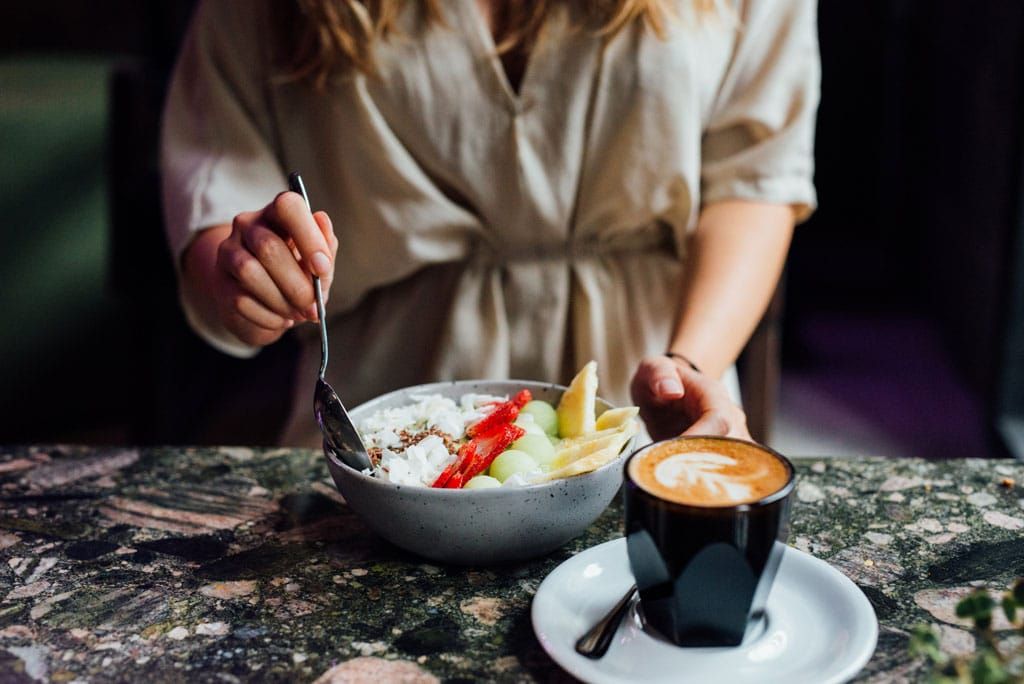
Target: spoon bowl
x,y
339,433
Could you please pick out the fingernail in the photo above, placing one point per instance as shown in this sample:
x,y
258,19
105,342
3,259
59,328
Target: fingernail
x,y
311,312
321,264
669,387
289,323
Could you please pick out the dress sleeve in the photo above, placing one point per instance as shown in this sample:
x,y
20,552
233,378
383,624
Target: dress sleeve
x,y
216,153
759,140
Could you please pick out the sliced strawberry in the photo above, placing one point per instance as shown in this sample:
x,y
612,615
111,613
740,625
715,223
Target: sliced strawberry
x,y
479,446
489,437
445,476
504,412
488,448
466,452
523,398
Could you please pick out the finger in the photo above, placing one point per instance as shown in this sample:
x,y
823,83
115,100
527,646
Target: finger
x,y
738,426
248,332
716,411
741,433
235,259
323,221
259,315
242,222
659,381
285,274
711,423
665,383
289,215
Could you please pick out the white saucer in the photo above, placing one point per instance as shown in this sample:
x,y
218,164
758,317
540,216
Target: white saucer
x,y
821,628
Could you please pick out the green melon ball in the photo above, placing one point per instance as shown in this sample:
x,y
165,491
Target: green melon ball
x,y
510,462
537,446
543,415
482,482
527,422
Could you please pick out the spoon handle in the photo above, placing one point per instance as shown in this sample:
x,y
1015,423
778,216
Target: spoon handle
x,y
295,184
595,642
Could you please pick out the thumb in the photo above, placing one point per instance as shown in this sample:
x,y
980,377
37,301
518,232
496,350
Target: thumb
x,y
664,383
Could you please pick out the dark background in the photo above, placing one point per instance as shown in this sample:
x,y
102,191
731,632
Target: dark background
x,y
904,293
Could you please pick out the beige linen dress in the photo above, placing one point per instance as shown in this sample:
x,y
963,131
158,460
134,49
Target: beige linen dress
x,y
485,232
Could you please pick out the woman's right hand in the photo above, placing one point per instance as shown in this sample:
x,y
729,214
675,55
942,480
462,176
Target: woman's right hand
x,y
253,278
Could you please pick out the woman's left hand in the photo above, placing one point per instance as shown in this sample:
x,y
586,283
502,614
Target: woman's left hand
x,y
675,399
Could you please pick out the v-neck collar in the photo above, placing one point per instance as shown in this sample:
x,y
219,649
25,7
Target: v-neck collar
x,y
476,28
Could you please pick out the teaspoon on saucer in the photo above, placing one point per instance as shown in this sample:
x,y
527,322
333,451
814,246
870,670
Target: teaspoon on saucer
x,y
595,642
339,433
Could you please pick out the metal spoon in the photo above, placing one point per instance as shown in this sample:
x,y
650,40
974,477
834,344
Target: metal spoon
x,y
595,642
340,434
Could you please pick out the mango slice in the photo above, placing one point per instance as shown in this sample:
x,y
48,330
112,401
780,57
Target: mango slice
x,y
583,448
577,406
613,418
583,439
583,465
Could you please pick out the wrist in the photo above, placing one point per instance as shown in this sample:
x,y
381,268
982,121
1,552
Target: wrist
x,y
683,359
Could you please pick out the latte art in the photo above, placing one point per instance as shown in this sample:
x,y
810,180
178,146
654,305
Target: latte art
x,y
701,470
709,472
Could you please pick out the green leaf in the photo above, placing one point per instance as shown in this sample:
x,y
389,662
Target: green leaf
x,y
996,661
924,634
986,669
1010,608
924,642
974,605
922,639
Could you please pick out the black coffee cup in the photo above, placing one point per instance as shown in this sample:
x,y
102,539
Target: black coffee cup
x,y
704,572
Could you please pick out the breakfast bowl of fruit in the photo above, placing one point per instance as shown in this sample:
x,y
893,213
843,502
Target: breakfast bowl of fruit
x,y
474,472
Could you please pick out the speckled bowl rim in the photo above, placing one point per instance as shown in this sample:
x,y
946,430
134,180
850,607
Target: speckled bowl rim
x,y
496,492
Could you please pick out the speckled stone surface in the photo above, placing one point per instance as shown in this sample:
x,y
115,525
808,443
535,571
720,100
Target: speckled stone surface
x,y
236,564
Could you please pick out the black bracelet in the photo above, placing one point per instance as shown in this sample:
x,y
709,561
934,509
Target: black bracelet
x,y
680,357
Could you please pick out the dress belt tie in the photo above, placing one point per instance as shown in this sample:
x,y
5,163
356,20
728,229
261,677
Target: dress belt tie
x,y
657,239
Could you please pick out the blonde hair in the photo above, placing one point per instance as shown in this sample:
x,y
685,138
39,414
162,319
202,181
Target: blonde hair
x,y
337,36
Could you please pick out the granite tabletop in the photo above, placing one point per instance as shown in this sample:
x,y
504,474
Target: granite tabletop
x,y
238,564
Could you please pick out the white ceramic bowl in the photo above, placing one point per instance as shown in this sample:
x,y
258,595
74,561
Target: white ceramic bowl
x,y
478,526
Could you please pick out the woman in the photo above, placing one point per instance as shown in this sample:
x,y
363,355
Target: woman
x,y
509,188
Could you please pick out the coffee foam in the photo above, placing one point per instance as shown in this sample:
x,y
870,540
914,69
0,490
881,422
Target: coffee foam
x,y
709,472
